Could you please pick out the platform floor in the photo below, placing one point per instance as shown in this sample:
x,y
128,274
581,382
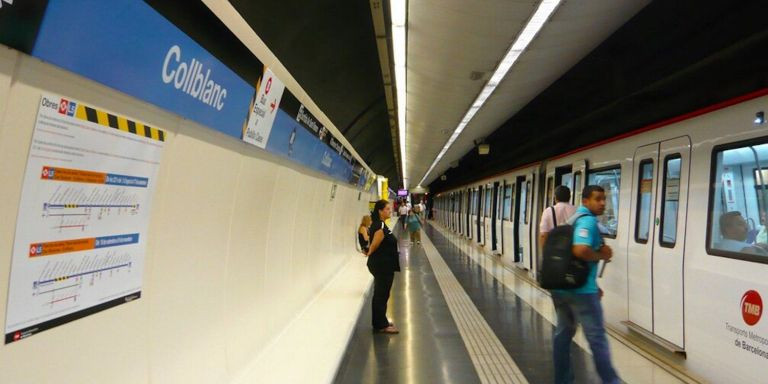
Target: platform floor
x,y
464,318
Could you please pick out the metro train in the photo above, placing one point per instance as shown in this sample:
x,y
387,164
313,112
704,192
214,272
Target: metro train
x,y
686,217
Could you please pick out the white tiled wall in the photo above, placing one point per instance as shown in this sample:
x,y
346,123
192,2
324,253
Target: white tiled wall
x,y
240,242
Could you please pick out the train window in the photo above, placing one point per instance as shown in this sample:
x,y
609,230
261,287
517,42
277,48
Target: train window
x,y
524,202
576,185
610,180
567,180
737,200
500,202
670,199
550,191
644,195
507,202
487,210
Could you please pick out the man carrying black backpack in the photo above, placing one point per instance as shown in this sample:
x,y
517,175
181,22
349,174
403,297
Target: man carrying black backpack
x,y
582,304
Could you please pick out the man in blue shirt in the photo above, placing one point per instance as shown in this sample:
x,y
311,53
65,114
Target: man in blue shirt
x,y
582,305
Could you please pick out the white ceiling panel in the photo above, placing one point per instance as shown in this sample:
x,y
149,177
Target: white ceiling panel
x,y
448,40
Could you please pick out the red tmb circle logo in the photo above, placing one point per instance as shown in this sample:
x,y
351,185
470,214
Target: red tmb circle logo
x,y
751,307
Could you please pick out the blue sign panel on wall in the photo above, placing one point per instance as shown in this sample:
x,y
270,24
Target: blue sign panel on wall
x,y
127,45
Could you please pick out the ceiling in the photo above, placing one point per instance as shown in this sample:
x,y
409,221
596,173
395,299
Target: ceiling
x,y
330,49
668,60
597,69
447,43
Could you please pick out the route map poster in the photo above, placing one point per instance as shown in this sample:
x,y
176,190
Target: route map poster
x,y
81,230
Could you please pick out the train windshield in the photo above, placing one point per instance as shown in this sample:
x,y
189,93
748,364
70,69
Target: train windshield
x,y
739,199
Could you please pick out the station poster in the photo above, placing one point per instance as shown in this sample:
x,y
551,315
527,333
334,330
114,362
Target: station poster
x,y
265,107
81,229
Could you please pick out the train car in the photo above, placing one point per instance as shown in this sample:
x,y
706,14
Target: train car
x,y
686,216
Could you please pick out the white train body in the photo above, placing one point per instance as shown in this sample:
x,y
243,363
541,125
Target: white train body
x,y
681,275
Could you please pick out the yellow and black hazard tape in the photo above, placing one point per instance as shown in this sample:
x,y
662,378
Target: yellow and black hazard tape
x,y
118,122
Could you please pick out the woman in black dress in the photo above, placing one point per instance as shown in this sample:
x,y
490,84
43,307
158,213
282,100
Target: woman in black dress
x,y
383,262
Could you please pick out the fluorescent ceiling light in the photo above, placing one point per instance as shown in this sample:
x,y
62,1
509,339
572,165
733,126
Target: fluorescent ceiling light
x,y
529,32
399,25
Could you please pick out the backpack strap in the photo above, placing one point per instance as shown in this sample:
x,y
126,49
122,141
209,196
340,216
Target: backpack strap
x,y
554,216
574,218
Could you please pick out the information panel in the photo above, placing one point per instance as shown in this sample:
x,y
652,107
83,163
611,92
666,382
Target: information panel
x,y
82,225
265,108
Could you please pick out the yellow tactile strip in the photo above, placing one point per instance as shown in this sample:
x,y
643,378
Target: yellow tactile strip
x,y
493,363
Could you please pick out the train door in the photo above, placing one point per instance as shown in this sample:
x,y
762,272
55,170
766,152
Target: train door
x,y
656,251
579,181
459,204
487,209
506,214
468,213
494,217
472,212
532,229
499,221
457,212
462,211
479,214
522,221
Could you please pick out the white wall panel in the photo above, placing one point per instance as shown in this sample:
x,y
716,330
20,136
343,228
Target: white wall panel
x,y
240,242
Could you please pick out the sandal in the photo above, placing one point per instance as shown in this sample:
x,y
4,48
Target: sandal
x,y
392,330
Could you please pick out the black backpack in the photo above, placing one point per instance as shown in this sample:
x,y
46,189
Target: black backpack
x,y
559,268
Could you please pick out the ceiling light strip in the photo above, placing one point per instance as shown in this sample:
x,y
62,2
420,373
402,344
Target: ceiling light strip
x,y
399,25
543,12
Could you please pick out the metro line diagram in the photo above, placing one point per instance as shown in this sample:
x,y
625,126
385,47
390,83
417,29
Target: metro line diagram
x,y
60,282
74,207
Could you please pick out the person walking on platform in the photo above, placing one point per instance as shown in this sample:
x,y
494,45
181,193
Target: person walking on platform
x,y
362,234
582,305
560,212
414,225
402,213
383,262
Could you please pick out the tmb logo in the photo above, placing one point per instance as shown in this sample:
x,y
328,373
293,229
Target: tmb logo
x,y
67,107
48,173
35,249
63,106
751,307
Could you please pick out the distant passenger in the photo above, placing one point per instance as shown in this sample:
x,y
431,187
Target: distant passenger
x,y
582,305
362,233
563,210
762,234
402,213
734,229
383,262
414,225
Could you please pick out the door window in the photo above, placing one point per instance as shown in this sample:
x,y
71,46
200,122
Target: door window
x,y
507,202
670,200
610,180
499,201
524,203
645,192
487,209
576,185
550,191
